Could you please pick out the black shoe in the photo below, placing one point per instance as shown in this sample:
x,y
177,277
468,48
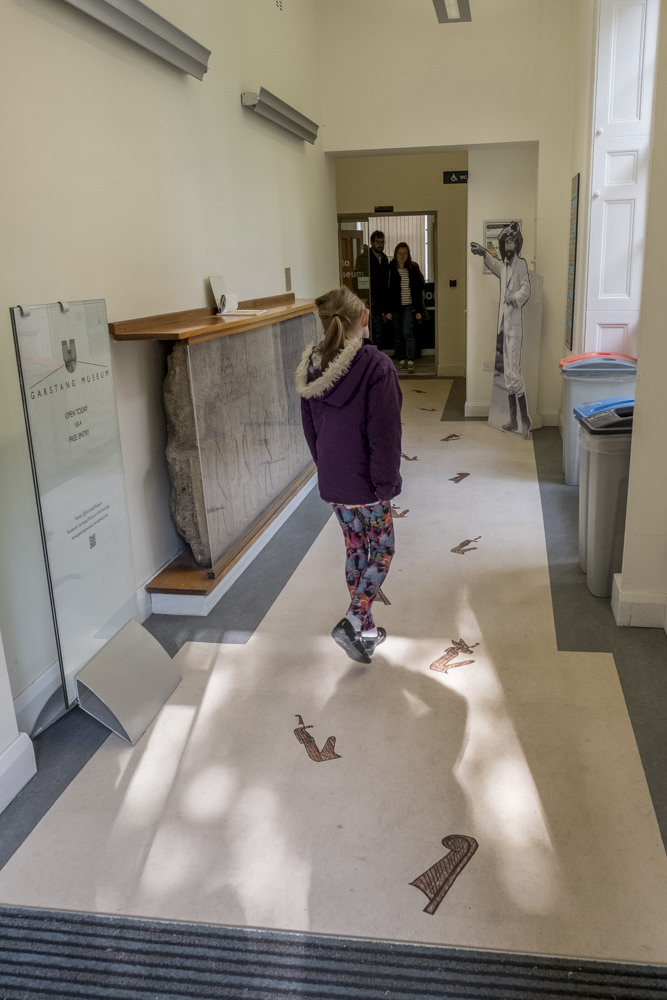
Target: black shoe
x,y
372,642
344,634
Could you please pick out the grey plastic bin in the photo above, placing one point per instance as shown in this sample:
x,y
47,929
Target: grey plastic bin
x,y
588,378
605,437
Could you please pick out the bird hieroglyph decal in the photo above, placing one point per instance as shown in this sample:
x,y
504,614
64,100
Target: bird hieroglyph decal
x,y
326,753
465,546
446,661
440,877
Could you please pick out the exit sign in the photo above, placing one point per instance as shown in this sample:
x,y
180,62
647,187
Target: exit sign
x,y
455,177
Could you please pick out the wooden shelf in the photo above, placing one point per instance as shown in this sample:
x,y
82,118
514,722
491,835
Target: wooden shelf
x,y
198,325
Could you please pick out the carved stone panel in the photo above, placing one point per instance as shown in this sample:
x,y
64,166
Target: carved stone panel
x,y
235,441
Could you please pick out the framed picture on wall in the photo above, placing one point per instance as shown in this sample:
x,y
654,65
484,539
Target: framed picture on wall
x,y
492,230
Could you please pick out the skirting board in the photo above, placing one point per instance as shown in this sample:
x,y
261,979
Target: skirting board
x,y
638,610
17,767
451,371
41,703
200,605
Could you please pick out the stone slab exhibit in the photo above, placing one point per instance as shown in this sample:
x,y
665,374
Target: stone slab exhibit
x,y
235,442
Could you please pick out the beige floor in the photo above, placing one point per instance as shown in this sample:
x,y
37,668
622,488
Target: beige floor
x,y
219,814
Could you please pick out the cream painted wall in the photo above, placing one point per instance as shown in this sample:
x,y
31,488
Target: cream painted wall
x,y
641,589
413,183
126,180
441,85
583,77
505,79
502,185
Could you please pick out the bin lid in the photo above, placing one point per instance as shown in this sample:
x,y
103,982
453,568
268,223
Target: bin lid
x,y
607,416
594,363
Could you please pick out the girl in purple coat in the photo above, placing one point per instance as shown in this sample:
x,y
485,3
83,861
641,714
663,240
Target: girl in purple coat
x,y
351,414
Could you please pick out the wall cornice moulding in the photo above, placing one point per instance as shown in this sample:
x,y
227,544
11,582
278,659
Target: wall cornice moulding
x,y
280,113
136,21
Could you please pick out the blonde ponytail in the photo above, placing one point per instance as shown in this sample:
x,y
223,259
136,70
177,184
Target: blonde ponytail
x,y
340,311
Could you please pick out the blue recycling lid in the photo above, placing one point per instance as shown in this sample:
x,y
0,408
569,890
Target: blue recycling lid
x,y
607,416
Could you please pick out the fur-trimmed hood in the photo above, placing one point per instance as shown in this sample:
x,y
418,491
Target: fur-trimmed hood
x,y
351,416
332,385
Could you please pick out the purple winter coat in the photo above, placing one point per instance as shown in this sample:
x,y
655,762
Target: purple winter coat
x,y
351,416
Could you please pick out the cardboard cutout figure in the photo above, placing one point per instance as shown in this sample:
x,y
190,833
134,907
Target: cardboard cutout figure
x,y
509,410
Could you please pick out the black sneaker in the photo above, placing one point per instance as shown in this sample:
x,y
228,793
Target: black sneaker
x,y
372,642
344,634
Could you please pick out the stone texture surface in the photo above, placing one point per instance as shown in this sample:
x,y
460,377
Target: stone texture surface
x,y
187,492
234,431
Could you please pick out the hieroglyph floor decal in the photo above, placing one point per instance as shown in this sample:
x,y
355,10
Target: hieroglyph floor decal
x,y
466,546
445,662
436,882
327,752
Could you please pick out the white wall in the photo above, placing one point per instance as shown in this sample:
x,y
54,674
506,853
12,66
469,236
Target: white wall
x,y
640,591
126,180
583,79
438,85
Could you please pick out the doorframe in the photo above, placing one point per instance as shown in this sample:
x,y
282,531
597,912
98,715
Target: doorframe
x,y
343,217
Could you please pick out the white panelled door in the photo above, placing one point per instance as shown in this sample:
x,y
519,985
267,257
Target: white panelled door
x,y
627,38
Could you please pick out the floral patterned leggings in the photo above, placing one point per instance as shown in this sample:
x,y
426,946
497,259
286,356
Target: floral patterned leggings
x,y
369,542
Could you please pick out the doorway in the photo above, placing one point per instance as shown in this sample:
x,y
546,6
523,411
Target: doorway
x,y
418,230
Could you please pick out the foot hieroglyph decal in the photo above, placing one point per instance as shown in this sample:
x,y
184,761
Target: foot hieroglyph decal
x,y
326,753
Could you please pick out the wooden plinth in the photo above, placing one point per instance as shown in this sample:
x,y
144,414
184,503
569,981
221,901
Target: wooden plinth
x,y
184,576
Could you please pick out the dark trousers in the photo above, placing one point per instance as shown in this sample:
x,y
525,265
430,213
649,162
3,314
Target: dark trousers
x,y
403,319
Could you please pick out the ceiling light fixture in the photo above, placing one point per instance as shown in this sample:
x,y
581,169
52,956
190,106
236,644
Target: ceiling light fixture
x,y
452,11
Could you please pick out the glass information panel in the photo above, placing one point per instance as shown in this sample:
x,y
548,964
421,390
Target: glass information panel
x,y
64,361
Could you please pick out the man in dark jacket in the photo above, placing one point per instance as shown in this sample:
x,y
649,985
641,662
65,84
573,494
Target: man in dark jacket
x,y
374,263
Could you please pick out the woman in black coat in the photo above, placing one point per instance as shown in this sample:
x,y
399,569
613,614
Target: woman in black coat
x,y
405,299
